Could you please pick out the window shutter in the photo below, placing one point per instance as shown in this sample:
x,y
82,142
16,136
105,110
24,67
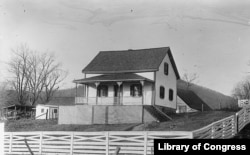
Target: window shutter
x,y
162,92
166,68
106,91
132,90
140,90
171,94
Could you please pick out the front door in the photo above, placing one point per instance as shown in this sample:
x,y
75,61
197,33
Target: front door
x,y
117,93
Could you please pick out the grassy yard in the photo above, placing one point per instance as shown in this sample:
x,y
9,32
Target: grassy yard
x,y
181,122
51,125
186,122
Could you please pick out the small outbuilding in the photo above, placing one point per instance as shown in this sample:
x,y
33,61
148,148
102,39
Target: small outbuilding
x,y
50,110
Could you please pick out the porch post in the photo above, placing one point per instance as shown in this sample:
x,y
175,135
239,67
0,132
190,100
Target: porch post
x,y
119,92
142,89
76,101
87,93
84,86
96,85
15,112
142,94
76,90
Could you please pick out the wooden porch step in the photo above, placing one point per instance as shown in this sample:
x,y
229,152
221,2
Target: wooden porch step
x,y
157,114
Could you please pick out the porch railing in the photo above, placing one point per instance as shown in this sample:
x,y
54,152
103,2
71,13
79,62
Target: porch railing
x,y
126,100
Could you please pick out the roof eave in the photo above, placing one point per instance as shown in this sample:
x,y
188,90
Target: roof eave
x,y
123,80
173,64
120,71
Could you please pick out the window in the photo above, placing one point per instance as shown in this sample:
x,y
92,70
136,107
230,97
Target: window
x,y
55,110
136,90
171,95
102,91
162,92
166,68
42,110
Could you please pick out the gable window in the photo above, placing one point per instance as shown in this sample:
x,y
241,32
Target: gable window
x,y
162,92
136,90
166,68
42,110
102,91
171,95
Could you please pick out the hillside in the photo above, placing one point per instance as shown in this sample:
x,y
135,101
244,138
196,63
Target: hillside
x,y
70,92
214,99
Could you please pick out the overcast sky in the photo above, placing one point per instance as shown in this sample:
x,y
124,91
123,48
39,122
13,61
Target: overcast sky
x,y
209,37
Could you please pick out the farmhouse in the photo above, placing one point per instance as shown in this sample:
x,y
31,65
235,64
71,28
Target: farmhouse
x,y
131,86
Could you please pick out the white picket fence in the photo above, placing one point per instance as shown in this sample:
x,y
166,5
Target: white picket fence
x,y
225,128
130,142
136,143
222,129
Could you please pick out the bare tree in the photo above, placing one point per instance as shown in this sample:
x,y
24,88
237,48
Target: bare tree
x,y
52,83
189,78
18,67
242,89
3,89
41,74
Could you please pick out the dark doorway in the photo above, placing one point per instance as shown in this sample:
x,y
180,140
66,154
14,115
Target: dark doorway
x,y
116,94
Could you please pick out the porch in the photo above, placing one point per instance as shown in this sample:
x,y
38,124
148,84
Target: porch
x,y
115,89
126,100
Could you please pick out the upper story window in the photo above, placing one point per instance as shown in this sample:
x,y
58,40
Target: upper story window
x,y
162,92
55,111
136,90
171,95
102,91
166,68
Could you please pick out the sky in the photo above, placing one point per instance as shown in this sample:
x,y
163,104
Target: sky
x,y
208,37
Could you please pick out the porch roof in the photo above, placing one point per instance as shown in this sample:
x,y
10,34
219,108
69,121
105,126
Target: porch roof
x,y
113,78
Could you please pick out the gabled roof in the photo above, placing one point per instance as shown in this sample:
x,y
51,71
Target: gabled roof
x,y
129,61
113,77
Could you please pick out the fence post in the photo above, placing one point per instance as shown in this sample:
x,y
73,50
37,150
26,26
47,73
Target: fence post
x,y
244,116
107,143
145,142
212,131
236,123
71,143
223,129
233,126
10,146
40,142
